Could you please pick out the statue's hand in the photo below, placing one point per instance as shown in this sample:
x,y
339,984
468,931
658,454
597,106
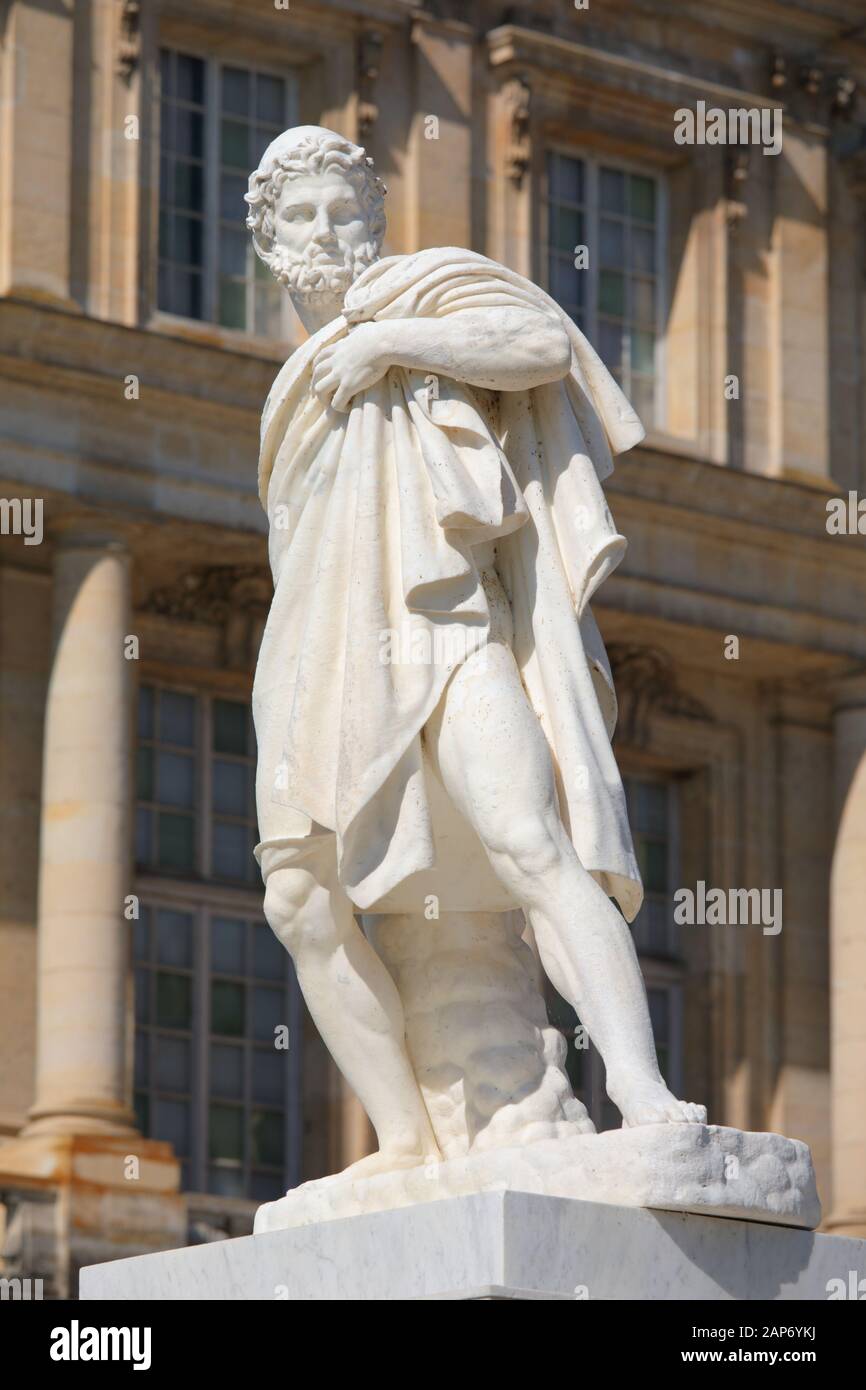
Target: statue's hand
x,y
353,364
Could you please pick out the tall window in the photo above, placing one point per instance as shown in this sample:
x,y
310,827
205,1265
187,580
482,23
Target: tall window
x,y
215,123
652,816
615,297
217,1048
196,814
218,1010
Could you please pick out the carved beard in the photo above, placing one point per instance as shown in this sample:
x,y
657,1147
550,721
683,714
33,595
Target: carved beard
x,y
320,273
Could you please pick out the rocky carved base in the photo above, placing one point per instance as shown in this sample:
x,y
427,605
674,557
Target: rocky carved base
x,y
706,1169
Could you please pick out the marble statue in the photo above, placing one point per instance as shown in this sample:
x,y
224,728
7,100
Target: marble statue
x,y
441,815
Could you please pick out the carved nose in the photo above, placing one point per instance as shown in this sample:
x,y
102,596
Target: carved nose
x,y
323,231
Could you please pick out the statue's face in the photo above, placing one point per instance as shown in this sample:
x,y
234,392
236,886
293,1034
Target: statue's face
x,y
319,220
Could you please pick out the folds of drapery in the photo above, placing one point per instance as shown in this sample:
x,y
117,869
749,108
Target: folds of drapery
x,y
373,518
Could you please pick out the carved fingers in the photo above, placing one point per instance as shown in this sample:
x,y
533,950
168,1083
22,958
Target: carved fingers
x,y
343,370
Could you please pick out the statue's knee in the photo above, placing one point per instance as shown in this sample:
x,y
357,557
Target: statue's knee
x,y
525,848
297,909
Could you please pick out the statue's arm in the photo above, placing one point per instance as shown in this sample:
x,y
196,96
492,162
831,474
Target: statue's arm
x,y
501,348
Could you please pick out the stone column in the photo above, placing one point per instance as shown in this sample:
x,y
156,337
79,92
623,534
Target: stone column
x,y
83,947
848,963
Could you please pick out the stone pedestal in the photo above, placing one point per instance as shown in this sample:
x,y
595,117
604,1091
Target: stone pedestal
x,y
496,1245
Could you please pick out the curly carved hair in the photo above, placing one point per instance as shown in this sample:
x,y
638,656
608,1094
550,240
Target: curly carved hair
x,y
313,155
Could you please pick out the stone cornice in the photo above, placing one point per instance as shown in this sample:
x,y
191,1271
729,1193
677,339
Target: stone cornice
x,y
93,354
567,61
342,14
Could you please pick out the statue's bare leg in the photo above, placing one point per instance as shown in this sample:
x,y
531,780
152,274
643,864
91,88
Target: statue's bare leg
x,y
495,764
356,1008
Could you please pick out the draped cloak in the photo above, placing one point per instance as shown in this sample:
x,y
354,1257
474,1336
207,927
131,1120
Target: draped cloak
x,y
374,515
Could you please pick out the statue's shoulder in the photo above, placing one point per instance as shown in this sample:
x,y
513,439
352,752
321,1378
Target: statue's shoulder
x,y
389,280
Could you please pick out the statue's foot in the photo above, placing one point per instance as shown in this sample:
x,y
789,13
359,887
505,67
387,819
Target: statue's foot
x,y
384,1161
646,1100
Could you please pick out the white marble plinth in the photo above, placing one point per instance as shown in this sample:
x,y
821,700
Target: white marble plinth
x,y
498,1245
707,1169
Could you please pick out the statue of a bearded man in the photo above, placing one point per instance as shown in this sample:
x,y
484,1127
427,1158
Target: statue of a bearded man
x,y
431,465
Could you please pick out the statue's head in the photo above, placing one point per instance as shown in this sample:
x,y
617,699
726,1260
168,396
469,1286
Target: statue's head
x,y
317,212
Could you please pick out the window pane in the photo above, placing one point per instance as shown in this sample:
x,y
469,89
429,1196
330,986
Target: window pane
x,y
235,144
232,205
188,186
144,774
226,1182
642,351
142,1112
612,251
566,229
176,841
173,1000
175,779
266,1138
652,860
643,253
188,132
566,283
173,937
236,91
230,787
227,946
642,198
269,1075
189,78
266,1187
268,1013
142,1067
233,304
145,711
270,99
233,251
187,240
643,301
611,293
227,1008
171,1122
230,727
142,996
143,837
612,190
232,851
566,178
226,1131
141,938
650,807
610,341
176,718
269,954
173,1069
227,1072
181,292
268,309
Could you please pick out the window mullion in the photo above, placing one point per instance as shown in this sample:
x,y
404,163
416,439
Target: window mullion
x,y
593,224
211,191
293,1087
204,847
201,1049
